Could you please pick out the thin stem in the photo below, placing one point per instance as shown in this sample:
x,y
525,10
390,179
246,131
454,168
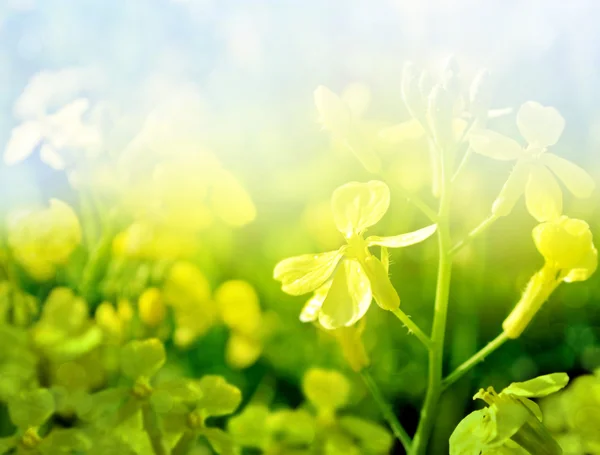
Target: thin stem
x,y
185,443
387,412
150,422
478,357
419,203
434,386
413,328
474,233
462,164
467,154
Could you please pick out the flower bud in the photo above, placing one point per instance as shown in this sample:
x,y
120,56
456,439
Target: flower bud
x,y
480,96
151,307
440,110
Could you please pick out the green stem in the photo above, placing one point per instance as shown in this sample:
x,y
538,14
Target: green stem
x,y
417,202
152,428
96,264
185,443
463,163
436,354
478,357
413,328
399,432
474,233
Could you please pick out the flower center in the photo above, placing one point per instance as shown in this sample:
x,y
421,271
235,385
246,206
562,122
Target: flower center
x,y
357,248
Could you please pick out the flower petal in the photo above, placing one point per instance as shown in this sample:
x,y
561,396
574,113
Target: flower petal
x,y
512,189
402,240
356,206
540,126
538,387
334,113
585,270
494,145
305,273
311,308
348,298
543,195
23,140
578,181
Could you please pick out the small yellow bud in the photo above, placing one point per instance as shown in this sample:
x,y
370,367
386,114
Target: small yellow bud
x,y
125,310
151,307
108,319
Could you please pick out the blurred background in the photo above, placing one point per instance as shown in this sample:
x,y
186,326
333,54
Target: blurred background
x,y
235,79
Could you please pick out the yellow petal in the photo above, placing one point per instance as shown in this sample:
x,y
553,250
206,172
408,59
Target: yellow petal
x,y
494,145
565,242
402,240
540,126
383,291
543,195
578,181
310,311
305,273
348,298
334,114
356,206
584,270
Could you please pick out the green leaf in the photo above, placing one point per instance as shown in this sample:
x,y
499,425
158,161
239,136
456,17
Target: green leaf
x,y
249,428
31,408
373,438
326,389
219,397
142,358
538,387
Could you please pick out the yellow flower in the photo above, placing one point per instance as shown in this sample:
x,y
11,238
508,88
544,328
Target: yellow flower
x,y
570,255
536,168
347,279
43,239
